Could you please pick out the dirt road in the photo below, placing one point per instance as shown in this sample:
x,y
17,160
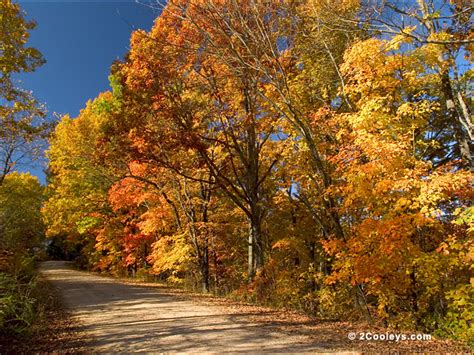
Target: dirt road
x,y
115,316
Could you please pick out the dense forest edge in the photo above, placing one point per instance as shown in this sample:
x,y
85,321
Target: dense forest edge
x,y
300,155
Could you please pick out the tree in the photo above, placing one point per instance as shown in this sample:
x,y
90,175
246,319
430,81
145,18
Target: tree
x,y
21,224
23,127
287,143
444,30
398,206
190,101
77,204
284,49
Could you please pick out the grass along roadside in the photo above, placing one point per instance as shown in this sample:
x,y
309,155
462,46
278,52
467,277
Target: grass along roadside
x,y
33,319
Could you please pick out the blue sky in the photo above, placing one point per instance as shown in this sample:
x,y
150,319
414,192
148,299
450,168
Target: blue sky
x,y
79,40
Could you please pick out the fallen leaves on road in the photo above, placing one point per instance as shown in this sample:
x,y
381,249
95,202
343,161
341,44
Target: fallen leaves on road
x,y
327,333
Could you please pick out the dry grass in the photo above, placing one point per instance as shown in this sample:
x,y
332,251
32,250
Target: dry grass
x,y
53,330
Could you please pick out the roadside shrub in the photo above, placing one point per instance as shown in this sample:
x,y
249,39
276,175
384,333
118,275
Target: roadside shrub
x,y
459,321
17,303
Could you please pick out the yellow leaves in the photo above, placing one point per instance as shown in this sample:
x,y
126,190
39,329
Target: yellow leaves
x,y
441,186
432,54
361,64
342,6
79,186
170,254
416,114
398,40
383,176
441,36
402,204
368,118
21,197
15,56
465,216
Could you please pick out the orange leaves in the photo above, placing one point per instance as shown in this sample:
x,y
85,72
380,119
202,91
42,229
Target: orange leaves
x,y
126,193
333,246
366,67
234,132
376,249
399,204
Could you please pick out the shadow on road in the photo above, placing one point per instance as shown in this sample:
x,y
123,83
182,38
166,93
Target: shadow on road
x,y
122,317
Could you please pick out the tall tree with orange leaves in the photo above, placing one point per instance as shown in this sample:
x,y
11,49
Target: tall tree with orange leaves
x,y
196,102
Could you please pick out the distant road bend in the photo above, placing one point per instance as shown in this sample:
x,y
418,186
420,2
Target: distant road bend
x,y
117,316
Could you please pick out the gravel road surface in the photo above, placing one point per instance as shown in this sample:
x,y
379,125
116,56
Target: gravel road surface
x,y
117,316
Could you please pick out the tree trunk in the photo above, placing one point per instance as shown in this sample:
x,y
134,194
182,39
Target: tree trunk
x,y
205,269
216,271
457,111
255,240
255,250
460,134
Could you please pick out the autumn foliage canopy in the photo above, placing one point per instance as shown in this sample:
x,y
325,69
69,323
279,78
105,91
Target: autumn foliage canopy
x,y
299,154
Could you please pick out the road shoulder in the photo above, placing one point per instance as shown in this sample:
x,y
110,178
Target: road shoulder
x,y
53,331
